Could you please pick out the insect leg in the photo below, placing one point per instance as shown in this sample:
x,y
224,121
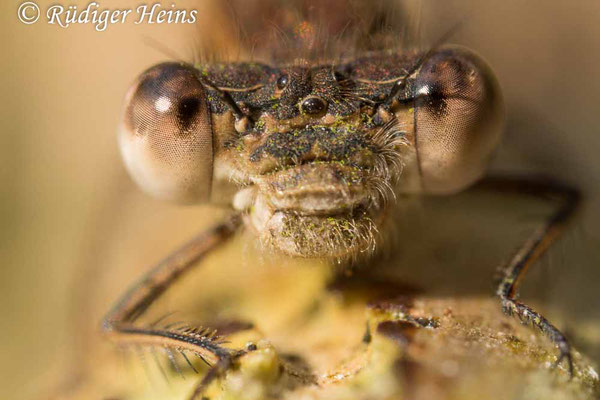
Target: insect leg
x,y
514,271
215,372
120,324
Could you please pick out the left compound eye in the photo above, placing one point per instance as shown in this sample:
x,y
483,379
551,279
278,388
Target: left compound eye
x,y
458,119
166,136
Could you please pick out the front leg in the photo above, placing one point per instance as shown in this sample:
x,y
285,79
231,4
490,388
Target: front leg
x,y
120,322
514,270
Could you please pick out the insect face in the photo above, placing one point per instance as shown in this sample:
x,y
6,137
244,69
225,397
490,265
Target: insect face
x,y
329,147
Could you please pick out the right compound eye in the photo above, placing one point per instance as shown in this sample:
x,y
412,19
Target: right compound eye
x,y
166,136
458,119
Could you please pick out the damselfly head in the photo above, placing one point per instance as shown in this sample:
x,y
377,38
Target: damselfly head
x,y
320,152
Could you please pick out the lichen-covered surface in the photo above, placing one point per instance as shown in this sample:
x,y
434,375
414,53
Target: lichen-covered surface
x,y
310,329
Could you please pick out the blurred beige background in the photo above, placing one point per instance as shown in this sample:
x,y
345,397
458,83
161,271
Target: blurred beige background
x,y
75,231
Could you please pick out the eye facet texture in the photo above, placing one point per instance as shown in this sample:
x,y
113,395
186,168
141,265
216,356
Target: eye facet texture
x,y
166,136
458,119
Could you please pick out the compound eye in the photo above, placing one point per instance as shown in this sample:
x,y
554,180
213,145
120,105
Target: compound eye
x,y
458,119
166,136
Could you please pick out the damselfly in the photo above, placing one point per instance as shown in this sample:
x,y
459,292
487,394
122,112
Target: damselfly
x,y
316,150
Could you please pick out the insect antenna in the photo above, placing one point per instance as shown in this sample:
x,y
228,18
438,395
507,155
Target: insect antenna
x,y
400,84
243,122
162,48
